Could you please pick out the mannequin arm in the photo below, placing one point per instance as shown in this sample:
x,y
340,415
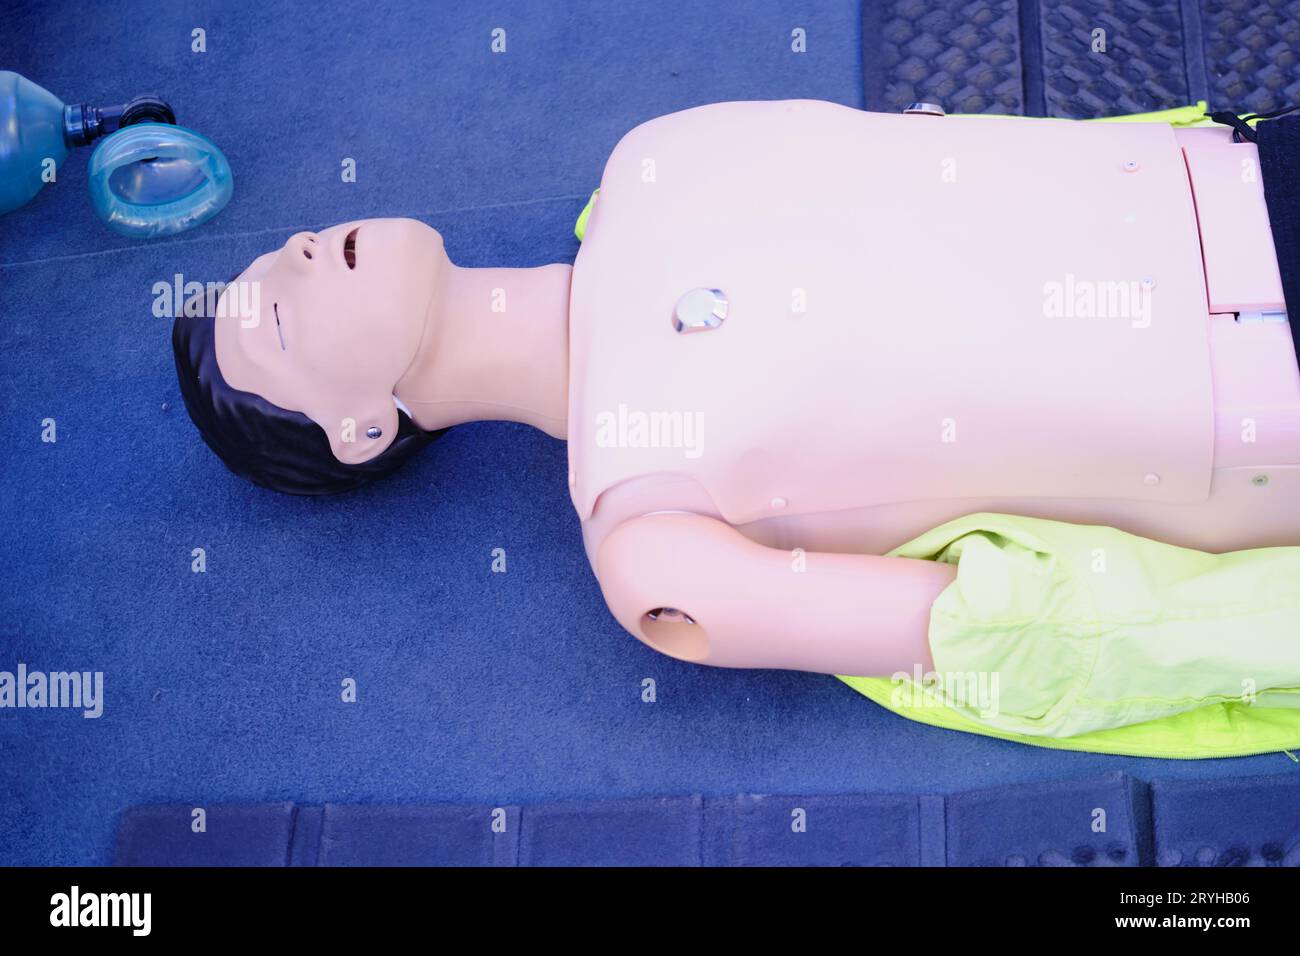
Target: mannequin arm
x,y
733,603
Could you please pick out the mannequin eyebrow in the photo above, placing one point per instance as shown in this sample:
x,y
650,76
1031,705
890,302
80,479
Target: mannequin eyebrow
x,y
275,307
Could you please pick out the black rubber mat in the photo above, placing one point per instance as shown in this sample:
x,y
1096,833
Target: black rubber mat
x,y
1110,57
1252,50
1081,58
948,52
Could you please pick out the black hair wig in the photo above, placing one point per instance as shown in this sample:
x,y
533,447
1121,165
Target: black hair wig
x,y
269,445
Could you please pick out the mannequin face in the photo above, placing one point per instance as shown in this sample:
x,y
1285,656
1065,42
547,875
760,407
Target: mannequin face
x,y
331,322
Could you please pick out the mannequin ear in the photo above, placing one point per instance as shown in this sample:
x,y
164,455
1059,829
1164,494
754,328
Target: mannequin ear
x,y
364,430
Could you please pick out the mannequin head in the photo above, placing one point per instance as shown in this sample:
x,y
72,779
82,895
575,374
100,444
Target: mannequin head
x,y
338,318
294,388
331,360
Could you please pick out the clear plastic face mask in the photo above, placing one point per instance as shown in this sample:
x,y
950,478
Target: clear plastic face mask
x,y
154,179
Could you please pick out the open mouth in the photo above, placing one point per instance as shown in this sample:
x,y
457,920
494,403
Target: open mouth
x,y
350,248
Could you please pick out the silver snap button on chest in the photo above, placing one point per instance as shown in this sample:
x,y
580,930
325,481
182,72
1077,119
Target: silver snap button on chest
x,y
700,310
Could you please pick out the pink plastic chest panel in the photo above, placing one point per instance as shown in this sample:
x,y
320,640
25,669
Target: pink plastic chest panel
x,y
917,307
1240,261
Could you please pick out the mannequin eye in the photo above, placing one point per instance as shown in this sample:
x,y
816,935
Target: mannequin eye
x,y
350,248
275,307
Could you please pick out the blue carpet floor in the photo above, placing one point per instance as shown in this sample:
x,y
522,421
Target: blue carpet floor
x,y
473,687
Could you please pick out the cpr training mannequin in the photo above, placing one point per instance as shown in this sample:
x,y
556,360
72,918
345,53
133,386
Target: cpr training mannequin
x,y
954,406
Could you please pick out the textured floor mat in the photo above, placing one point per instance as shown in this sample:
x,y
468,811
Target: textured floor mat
x,y
1082,58
1255,822
950,53
1109,57
1106,821
1252,51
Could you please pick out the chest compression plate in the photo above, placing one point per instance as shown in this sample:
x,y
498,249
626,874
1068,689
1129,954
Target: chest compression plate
x,y
916,307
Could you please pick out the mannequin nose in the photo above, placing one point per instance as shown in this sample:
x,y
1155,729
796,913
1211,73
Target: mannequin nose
x,y
301,248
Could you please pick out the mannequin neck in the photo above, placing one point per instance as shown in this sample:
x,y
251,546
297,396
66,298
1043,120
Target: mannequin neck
x,y
495,347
